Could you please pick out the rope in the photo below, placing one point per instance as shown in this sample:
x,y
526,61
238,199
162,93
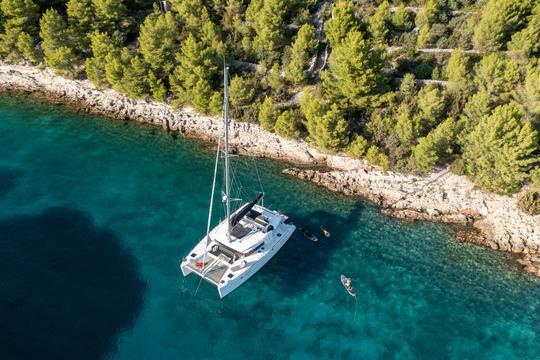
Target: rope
x,y
209,215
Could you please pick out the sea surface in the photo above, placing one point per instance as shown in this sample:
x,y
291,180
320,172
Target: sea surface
x,y
96,215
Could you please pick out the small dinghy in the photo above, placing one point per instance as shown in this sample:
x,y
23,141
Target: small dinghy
x,y
308,235
325,231
347,283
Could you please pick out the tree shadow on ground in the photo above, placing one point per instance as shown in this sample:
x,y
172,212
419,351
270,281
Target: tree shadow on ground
x,y
68,287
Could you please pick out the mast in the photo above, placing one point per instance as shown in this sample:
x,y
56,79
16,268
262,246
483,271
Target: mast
x,y
227,175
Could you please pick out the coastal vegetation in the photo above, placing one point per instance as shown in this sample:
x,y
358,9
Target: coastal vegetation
x,y
409,86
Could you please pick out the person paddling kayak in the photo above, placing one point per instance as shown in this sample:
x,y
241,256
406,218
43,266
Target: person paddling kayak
x,y
347,283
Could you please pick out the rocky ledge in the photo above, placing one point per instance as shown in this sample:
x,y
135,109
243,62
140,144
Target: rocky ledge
x,y
438,196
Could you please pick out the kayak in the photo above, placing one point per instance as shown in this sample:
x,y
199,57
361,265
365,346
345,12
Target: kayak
x,y
325,231
308,235
350,288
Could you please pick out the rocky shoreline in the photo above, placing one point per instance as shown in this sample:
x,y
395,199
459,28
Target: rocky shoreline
x,y
438,196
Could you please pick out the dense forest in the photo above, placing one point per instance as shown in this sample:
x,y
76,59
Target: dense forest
x,y
408,85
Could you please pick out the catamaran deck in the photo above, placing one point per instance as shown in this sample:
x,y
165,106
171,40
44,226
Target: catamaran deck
x,y
211,274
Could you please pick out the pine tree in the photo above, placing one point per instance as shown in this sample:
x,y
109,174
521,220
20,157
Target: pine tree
x,y
428,15
498,76
303,48
115,65
81,21
358,147
501,149
111,17
287,124
355,73
378,23
102,45
241,91
403,18
159,40
268,27
25,44
135,81
192,79
330,131
18,16
157,88
500,19
435,148
529,93
424,37
527,41
58,53
375,156
432,104
458,74
342,22
268,114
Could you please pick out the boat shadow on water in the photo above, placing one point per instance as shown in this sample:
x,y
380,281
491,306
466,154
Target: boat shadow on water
x,y
301,262
69,288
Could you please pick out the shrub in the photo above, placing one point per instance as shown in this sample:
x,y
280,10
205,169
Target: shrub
x,y
287,124
529,202
358,147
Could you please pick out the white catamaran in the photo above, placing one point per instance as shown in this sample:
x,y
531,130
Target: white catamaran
x,y
244,241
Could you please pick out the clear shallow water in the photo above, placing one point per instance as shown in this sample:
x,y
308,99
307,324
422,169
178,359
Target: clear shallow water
x,y
96,214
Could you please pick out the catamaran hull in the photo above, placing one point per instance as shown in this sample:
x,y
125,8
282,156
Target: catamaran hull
x,y
232,284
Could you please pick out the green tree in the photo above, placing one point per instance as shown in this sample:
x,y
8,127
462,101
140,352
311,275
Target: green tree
x,y
431,103
378,23
329,131
111,17
56,45
424,37
115,65
268,114
342,22
529,93
157,88
498,76
478,106
135,81
407,88
428,15
274,79
81,21
159,40
355,75
18,17
527,41
501,149
102,45
500,19
436,147
457,73
242,91
358,147
403,18
25,44
192,79
268,27
303,48
287,124
375,156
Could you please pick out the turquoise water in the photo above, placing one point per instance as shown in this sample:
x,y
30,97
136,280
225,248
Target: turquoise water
x,y
95,216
